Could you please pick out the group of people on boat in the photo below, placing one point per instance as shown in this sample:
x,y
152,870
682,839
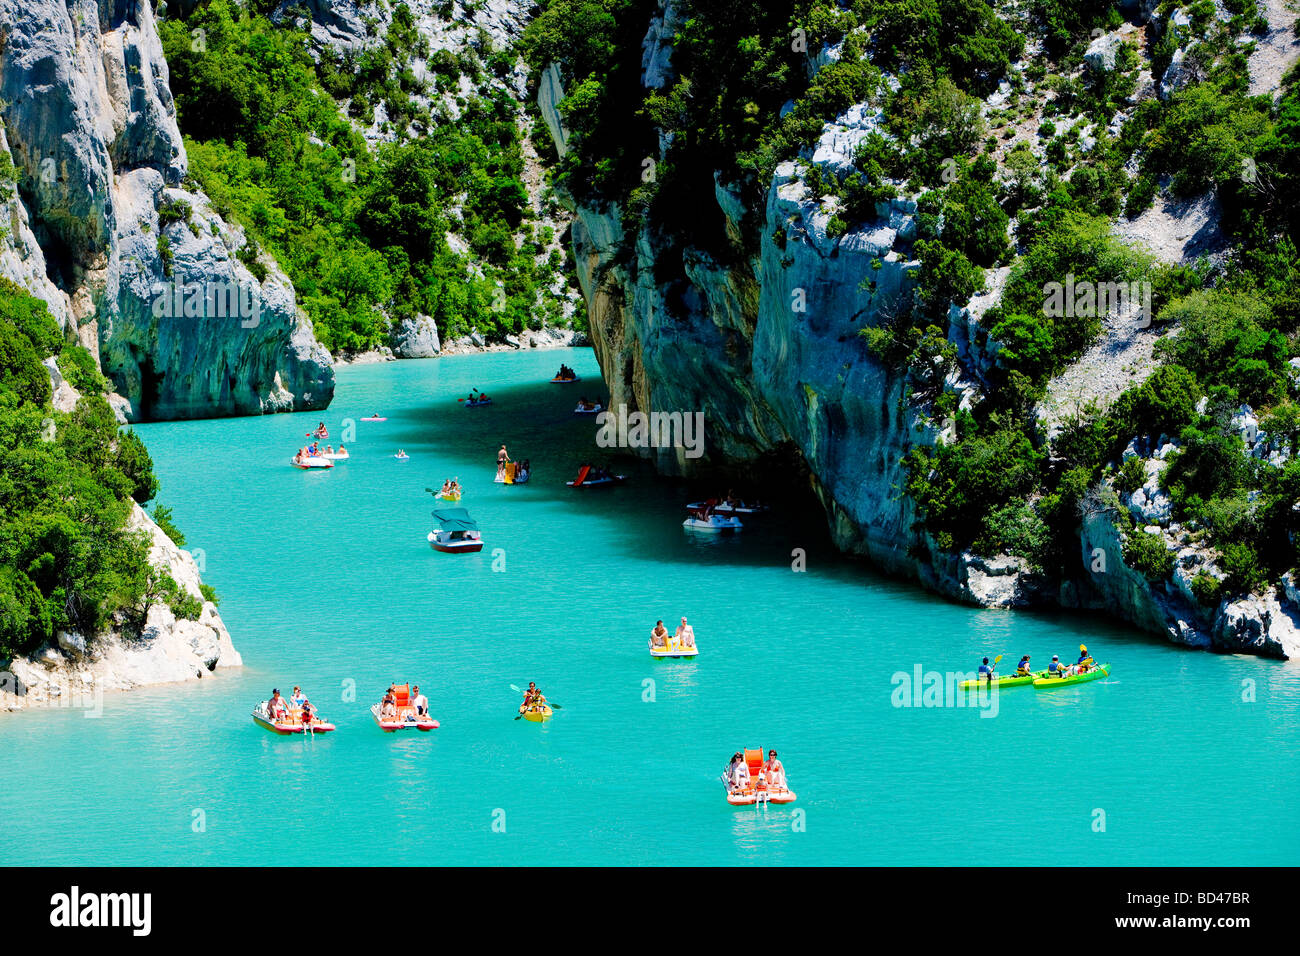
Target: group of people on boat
x,y
533,698
565,374
772,773
586,406
681,639
476,397
595,473
388,706
280,711
522,468
314,451
450,488
1057,668
320,432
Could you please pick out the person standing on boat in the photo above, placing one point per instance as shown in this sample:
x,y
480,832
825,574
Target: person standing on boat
x,y
503,457
1022,669
986,671
419,701
685,635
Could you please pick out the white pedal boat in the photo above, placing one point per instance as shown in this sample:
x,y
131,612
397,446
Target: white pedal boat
x,y
311,461
713,524
726,509
590,409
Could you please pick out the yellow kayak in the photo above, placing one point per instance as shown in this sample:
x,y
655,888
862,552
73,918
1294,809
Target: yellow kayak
x,y
538,714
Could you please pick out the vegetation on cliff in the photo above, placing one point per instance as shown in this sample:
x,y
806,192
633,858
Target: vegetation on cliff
x,y
1034,180
363,234
68,560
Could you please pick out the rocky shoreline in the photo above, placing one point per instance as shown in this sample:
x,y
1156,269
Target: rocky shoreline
x,y
75,670
547,338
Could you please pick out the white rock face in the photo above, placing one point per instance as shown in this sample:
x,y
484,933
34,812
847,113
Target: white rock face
x,y
417,338
79,669
91,126
1101,53
769,349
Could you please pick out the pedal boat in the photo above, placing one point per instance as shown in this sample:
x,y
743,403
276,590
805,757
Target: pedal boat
x,y
714,524
406,717
758,790
290,722
311,461
671,649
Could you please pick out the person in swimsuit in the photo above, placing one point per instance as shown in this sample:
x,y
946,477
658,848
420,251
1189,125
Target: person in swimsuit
x,y
685,635
659,635
532,698
740,779
774,771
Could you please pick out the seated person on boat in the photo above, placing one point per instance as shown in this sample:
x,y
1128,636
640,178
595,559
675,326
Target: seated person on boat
x,y
684,636
659,635
1022,669
532,698
774,771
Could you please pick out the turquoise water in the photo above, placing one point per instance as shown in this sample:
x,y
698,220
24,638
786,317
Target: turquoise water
x,y
327,581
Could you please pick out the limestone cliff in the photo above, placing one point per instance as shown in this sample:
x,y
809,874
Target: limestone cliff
x,y
106,227
768,348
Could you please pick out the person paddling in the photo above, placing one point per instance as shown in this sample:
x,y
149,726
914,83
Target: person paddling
x,y
1085,662
1022,669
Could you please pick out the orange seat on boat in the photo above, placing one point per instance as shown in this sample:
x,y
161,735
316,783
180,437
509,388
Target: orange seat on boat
x,y
754,760
402,693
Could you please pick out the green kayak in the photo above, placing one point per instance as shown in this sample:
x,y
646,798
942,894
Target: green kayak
x,y
1004,680
1094,674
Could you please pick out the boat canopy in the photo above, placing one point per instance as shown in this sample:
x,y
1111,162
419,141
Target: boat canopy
x,y
455,519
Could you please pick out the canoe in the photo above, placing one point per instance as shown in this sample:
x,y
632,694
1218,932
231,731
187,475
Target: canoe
x,y
450,496
486,401
375,418
1004,680
537,715
1096,673
579,410
596,482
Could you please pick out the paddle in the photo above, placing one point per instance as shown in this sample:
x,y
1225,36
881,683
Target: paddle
x,y
551,704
